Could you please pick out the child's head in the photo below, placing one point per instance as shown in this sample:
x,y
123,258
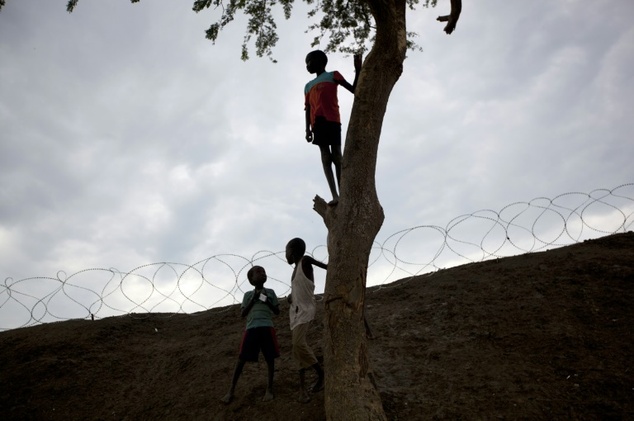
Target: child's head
x,y
295,249
316,61
256,276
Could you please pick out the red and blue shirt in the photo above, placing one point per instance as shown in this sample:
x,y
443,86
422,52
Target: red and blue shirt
x,y
321,96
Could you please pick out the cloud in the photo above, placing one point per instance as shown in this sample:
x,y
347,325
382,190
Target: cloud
x,y
128,138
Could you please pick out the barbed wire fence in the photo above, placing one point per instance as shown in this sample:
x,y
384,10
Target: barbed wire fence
x,y
218,281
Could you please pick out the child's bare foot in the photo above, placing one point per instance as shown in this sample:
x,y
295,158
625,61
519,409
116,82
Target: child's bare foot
x,y
227,398
303,397
268,396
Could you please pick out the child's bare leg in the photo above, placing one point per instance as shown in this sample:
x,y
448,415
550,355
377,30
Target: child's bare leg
x,y
319,384
303,395
234,381
326,161
336,160
269,395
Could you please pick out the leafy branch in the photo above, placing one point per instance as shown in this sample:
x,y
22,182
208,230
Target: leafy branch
x,y
346,25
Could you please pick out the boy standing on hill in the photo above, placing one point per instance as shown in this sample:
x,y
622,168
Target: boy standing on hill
x,y
323,123
302,312
258,306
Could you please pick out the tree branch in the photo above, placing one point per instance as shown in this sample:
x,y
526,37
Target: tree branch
x,y
320,206
452,18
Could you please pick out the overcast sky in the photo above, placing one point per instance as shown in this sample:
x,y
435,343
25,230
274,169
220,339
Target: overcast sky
x,y
127,138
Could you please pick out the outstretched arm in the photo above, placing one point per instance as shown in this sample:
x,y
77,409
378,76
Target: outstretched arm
x,y
307,266
452,18
316,263
358,61
308,262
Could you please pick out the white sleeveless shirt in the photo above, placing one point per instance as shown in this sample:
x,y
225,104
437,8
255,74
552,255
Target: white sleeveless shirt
x,y
303,296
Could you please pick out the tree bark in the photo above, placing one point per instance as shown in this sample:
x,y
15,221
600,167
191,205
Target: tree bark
x,y
350,392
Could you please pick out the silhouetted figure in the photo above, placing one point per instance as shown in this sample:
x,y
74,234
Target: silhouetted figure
x,y
302,312
323,123
258,306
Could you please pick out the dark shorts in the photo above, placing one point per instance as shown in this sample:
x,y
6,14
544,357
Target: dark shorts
x,y
259,339
326,132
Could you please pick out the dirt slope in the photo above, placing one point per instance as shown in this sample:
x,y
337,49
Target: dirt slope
x,y
540,336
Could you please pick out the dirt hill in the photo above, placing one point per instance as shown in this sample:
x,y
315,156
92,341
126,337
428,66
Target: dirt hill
x,y
539,336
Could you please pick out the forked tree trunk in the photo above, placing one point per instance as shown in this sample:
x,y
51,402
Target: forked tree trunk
x,y
350,393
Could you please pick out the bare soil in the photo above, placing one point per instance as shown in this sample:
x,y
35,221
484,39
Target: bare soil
x,y
540,336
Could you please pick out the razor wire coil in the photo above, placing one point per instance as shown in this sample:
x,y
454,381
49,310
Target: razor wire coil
x,y
518,228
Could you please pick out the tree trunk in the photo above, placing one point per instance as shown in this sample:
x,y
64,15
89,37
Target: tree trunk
x,y
350,393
